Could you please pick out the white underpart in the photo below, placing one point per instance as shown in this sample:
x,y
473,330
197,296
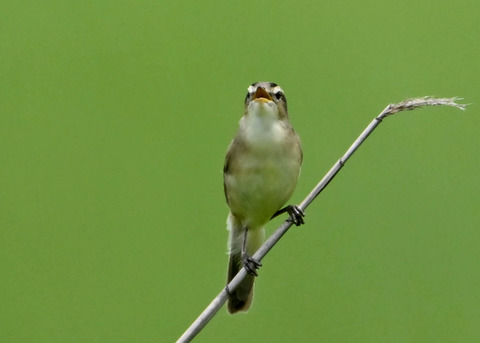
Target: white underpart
x,y
262,125
269,169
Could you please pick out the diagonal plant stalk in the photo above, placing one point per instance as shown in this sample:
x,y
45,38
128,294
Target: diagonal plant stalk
x,y
406,105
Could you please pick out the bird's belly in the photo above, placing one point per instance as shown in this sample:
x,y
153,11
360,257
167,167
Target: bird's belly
x,y
260,188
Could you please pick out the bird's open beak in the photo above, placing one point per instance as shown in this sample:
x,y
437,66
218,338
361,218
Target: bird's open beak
x,y
261,95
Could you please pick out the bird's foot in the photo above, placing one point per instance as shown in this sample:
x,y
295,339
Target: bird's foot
x,y
295,212
251,264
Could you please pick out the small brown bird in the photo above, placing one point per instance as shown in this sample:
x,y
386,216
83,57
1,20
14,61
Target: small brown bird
x,y
260,174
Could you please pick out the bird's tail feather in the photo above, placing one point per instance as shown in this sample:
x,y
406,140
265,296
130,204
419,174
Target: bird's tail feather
x,y
241,298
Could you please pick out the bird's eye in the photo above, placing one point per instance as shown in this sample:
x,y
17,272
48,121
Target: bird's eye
x,y
247,96
279,96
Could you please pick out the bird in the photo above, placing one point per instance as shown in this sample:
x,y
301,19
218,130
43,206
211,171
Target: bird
x,y
261,169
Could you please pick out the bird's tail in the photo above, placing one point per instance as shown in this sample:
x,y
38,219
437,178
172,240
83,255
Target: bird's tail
x,y
241,298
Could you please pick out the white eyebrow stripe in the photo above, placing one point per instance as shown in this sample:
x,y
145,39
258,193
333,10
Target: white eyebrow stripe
x,y
274,89
277,89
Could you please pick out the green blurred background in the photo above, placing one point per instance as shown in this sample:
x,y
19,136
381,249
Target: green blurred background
x,y
114,120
